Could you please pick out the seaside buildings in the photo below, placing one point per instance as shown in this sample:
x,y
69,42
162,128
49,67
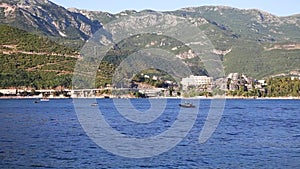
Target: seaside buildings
x,y
196,81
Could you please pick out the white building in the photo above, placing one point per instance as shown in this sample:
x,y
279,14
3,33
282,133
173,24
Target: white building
x,y
295,78
8,91
195,81
262,82
233,76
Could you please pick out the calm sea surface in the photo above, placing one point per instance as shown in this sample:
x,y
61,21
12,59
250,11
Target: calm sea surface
x,y
251,134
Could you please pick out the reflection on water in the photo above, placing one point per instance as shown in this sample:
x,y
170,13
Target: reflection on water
x,y
251,134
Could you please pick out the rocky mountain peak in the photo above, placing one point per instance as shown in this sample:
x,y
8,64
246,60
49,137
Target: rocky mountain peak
x,y
47,17
33,2
27,2
54,20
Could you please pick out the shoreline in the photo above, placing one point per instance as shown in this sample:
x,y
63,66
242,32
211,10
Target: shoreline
x,y
203,98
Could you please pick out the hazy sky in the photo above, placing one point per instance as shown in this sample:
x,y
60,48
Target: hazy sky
x,y
277,7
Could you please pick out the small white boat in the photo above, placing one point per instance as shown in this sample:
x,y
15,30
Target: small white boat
x,y
187,105
94,104
44,100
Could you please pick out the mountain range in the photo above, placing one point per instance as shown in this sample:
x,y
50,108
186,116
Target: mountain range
x,y
251,41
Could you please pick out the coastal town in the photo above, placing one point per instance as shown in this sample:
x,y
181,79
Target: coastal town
x,y
235,85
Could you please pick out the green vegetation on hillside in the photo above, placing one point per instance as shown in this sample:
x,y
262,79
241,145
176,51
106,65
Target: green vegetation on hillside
x,y
245,33
24,41
254,60
36,71
28,60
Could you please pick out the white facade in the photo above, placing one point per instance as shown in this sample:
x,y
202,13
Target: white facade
x,y
262,82
233,76
8,91
195,81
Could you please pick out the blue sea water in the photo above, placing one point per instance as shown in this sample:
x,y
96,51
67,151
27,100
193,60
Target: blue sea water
x,y
251,134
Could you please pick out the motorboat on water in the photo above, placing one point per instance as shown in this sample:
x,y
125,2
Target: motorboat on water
x,y
94,104
44,100
187,105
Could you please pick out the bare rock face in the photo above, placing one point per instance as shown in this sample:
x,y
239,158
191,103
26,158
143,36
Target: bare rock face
x,y
54,20
47,17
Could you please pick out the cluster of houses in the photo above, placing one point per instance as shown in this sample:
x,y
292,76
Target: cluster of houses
x,y
237,81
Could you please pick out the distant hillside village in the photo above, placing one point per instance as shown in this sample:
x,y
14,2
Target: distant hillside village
x,y
234,85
